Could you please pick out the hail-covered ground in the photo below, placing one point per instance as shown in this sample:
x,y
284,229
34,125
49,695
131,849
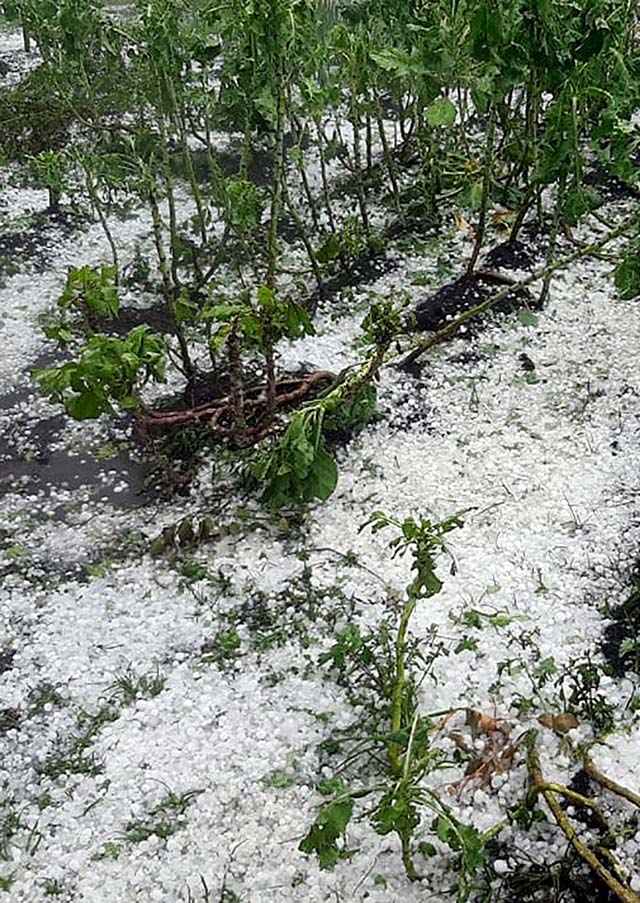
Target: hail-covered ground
x,y
165,720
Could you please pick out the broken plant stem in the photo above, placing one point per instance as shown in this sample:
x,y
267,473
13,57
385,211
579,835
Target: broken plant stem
x,y
576,798
562,263
539,787
252,397
398,696
608,784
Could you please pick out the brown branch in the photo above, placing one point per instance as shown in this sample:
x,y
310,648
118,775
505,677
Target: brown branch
x,y
216,408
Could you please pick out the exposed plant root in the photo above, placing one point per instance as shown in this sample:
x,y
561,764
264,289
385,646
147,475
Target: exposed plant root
x,y
288,392
550,792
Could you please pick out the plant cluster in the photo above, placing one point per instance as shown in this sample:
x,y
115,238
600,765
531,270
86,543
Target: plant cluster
x,y
400,737
394,94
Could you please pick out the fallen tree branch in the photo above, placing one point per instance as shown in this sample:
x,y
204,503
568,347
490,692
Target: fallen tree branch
x,y
216,408
562,263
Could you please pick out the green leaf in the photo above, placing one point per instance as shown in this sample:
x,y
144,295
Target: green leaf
x,y
527,317
336,816
323,477
331,786
627,273
330,249
394,61
16,552
86,407
279,780
325,832
441,112
397,812
579,201
298,469
427,849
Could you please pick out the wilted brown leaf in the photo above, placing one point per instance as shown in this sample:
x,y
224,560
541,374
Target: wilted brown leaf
x,y
561,723
481,723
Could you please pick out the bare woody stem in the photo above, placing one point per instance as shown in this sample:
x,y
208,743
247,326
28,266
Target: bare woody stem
x,y
608,784
454,326
539,787
486,189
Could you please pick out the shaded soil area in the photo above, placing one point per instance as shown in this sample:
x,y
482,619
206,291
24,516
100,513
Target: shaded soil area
x,y
9,720
30,462
157,316
464,293
228,161
623,632
6,659
609,186
36,243
510,255
364,269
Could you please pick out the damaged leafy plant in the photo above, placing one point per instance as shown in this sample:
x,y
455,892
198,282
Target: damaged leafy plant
x,y
297,468
399,800
90,292
243,326
109,373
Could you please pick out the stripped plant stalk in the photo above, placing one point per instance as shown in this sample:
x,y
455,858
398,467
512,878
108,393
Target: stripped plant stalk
x,y
96,203
323,171
388,156
539,787
486,190
304,235
168,287
452,328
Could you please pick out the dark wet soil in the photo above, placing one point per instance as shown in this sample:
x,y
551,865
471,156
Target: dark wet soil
x,y
288,230
59,470
204,388
6,659
46,468
624,629
459,296
610,187
157,316
564,881
228,160
363,270
9,720
510,255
